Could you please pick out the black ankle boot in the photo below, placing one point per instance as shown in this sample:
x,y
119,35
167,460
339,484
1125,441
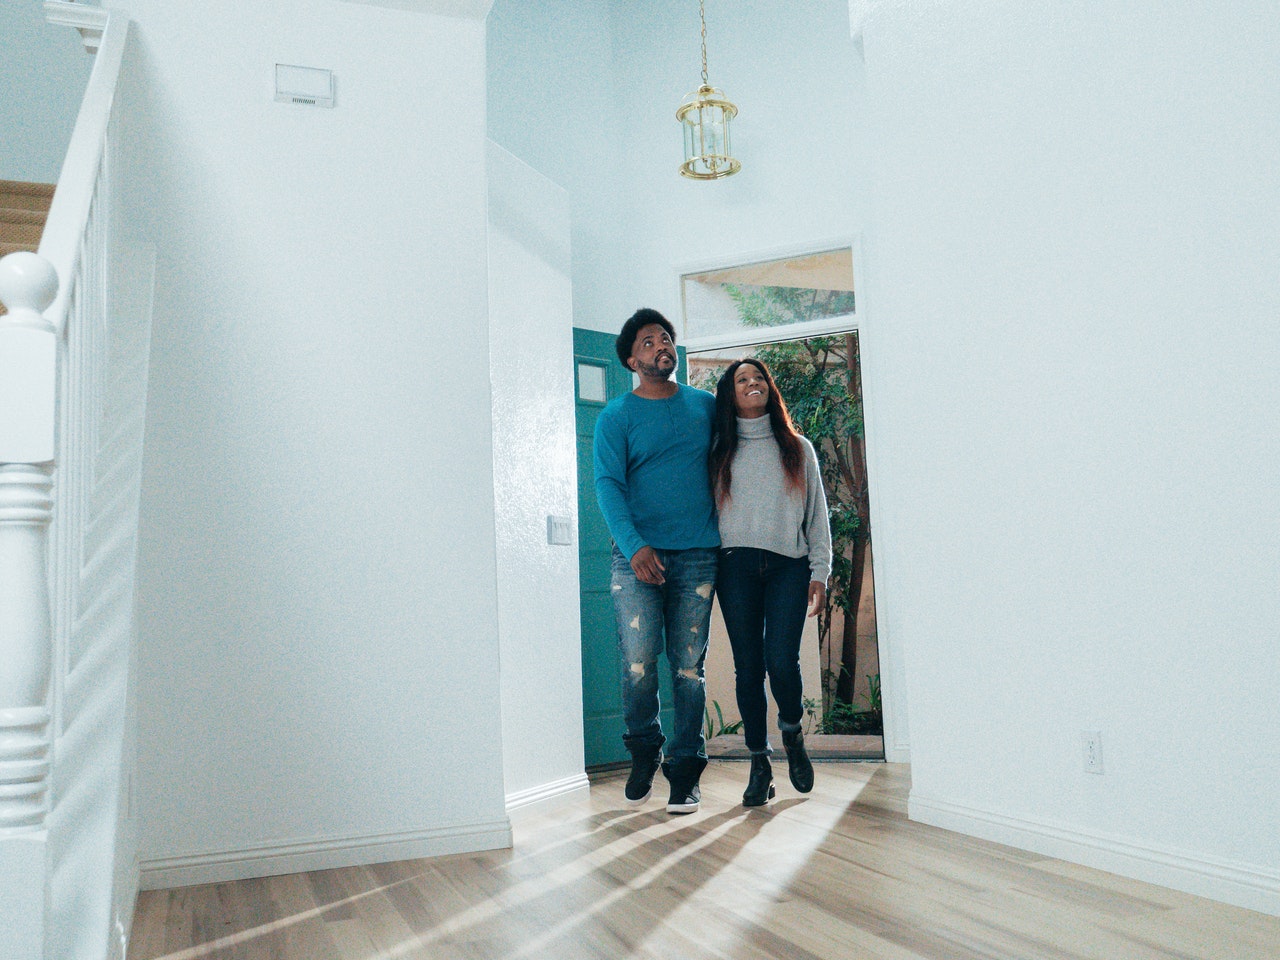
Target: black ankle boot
x,y
798,765
760,787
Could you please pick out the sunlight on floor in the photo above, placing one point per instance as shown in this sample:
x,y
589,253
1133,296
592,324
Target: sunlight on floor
x,y
648,877
755,900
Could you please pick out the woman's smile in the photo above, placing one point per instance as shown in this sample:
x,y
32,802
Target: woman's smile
x,y
751,391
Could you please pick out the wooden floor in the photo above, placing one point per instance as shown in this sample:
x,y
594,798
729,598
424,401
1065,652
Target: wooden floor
x,y
840,873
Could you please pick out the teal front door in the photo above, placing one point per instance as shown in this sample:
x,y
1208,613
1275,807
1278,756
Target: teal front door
x,y
598,378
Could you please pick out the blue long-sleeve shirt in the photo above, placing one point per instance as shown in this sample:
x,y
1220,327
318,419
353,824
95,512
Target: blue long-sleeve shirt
x,y
651,471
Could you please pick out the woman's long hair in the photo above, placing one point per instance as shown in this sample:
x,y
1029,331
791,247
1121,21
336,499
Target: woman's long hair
x,y
724,440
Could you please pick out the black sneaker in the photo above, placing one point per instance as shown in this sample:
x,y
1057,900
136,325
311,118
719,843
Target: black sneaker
x,y
644,765
683,775
684,799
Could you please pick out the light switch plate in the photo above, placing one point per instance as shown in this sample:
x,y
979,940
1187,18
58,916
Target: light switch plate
x,y
559,530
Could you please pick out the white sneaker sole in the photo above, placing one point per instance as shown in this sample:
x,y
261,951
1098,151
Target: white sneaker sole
x,y
683,807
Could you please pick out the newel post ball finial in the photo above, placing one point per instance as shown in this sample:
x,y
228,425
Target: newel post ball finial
x,y
28,283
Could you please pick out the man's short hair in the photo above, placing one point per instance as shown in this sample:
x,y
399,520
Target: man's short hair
x,y
641,318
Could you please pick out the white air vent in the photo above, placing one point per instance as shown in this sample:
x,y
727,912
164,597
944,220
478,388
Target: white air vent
x,y
309,86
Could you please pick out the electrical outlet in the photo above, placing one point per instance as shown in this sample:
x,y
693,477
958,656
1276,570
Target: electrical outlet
x,y
1091,743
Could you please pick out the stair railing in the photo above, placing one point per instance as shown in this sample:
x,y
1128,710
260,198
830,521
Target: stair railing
x,y
72,394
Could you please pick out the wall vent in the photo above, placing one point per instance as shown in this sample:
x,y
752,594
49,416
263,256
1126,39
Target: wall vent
x,y
309,86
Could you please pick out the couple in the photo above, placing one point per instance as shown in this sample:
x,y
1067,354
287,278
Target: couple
x,y
666,457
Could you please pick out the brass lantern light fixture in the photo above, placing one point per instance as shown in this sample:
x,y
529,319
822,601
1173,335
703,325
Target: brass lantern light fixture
x,y
705,116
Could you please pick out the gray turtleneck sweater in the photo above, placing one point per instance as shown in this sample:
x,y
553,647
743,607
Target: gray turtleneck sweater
x,y
762,512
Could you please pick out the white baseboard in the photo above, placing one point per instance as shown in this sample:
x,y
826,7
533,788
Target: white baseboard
x,y
1243,885
273,860
555,790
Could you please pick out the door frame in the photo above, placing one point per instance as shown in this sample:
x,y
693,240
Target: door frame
x,y
897,748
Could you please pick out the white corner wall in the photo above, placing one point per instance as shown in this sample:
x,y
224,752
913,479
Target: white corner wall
x,y
553,104
535,477
318,610
1075,346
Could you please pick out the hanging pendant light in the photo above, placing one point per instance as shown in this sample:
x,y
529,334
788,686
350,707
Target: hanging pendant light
x,y
705,115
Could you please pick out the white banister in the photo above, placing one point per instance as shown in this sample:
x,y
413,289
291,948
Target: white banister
x,y
60,243
73,358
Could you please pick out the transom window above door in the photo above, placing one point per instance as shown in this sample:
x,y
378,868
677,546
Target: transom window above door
x,y
810,292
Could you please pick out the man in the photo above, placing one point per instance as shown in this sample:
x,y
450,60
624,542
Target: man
x,y
653,487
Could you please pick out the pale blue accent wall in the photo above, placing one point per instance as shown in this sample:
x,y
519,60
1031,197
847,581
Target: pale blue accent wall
x,y
43,72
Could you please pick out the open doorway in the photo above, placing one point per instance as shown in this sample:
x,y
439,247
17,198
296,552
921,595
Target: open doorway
x,y
798,314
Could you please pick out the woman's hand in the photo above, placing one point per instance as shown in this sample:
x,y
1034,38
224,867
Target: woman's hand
x,y
817,596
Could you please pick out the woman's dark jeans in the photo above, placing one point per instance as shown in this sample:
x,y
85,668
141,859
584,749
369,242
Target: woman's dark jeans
x,y
763,597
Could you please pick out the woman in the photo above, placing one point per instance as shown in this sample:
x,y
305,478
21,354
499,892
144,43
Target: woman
x,y
775,557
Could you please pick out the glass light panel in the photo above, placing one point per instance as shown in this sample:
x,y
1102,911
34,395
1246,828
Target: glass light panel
x,y
781,292
713,129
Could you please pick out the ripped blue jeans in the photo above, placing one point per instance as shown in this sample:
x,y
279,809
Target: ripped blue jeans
x,y
673,617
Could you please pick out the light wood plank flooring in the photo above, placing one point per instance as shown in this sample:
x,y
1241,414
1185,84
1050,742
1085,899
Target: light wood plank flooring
x,y
840,873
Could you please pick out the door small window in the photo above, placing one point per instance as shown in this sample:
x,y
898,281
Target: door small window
x,y
591,383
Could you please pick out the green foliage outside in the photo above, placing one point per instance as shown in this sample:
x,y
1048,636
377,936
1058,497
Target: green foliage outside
x,y
841,717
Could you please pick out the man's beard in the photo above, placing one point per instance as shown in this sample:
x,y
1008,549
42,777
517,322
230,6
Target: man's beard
x,y
654,371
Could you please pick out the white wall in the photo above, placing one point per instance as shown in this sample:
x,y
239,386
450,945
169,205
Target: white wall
x,y
317,614
535,475
43,72
1075,351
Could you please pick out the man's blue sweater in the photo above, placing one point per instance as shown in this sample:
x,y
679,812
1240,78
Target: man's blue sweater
x,y
651,471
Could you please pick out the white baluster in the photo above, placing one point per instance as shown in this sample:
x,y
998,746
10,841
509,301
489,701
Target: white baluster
x,y
26,638
28,381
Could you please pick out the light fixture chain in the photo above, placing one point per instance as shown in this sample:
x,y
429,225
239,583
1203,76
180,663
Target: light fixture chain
x,y
702,13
